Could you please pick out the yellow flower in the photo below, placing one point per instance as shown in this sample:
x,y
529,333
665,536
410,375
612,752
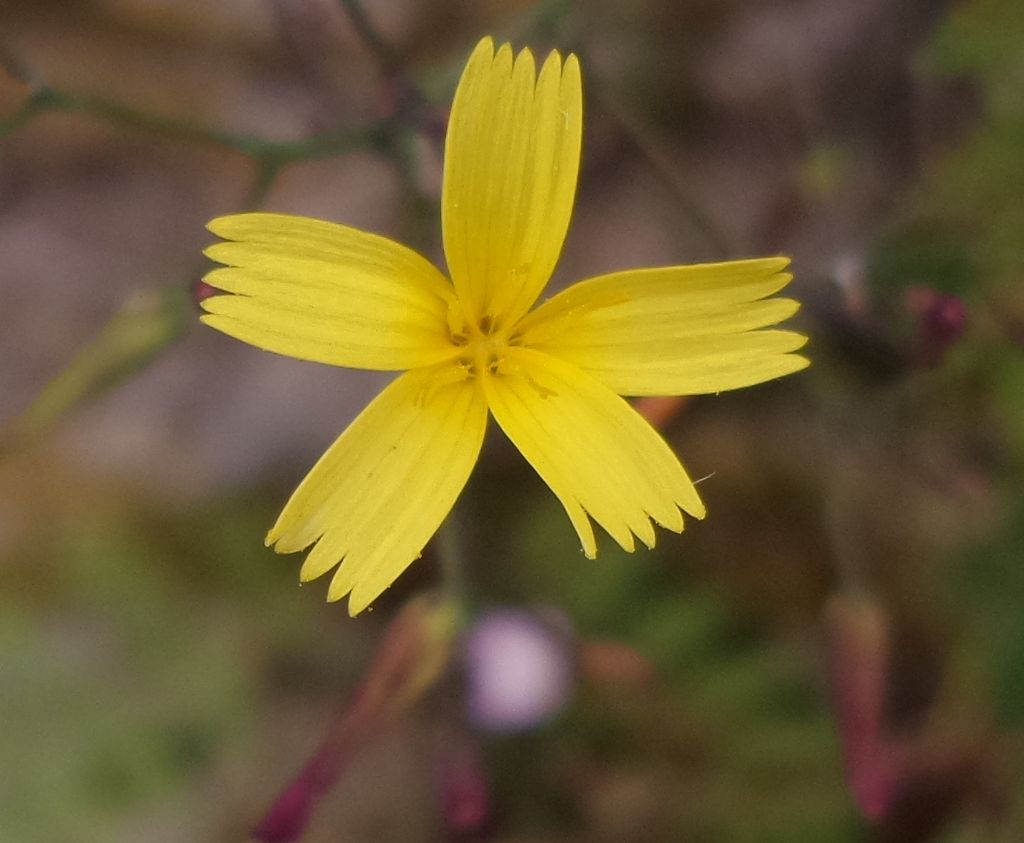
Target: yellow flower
x,y
552,377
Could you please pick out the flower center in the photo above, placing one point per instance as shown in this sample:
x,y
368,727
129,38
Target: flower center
x,y
481,344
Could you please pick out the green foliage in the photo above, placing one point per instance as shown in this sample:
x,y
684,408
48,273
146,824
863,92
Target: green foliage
x,y
123,699
735,716
977,189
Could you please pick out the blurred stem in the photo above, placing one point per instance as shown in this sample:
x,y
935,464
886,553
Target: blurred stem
x,y
386,56
265,176
652,150
420,211
14,67
452,555
269,156
146,324
277,153
412,656
541,20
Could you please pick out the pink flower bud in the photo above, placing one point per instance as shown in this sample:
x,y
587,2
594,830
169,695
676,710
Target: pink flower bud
x,y
859,663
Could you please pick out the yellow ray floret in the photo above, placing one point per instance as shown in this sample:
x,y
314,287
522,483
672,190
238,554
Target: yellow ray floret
x,y
381,490
469,346
594,451
675,330
325,292
511,166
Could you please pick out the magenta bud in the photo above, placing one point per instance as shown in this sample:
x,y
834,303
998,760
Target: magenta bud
x,y
201,290
941,321
412,655
287,819
859,661
465,790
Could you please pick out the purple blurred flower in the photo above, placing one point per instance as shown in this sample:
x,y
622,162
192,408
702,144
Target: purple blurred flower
x,y
520,670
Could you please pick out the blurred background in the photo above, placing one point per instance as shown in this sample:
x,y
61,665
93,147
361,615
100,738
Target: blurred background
x,y
836,653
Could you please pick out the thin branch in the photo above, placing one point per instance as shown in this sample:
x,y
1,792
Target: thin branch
x,y
13,66
29,109
46,99
544,20
449,545
387,57
145,324
411,658
655,156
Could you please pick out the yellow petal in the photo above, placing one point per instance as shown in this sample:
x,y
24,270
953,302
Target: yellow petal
x,y
599,457
511,164
381,490
677,330
320,291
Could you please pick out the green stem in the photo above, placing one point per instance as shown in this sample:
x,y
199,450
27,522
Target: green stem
x,y
145,325
451,553
544,20
278,153
387,57
652,151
